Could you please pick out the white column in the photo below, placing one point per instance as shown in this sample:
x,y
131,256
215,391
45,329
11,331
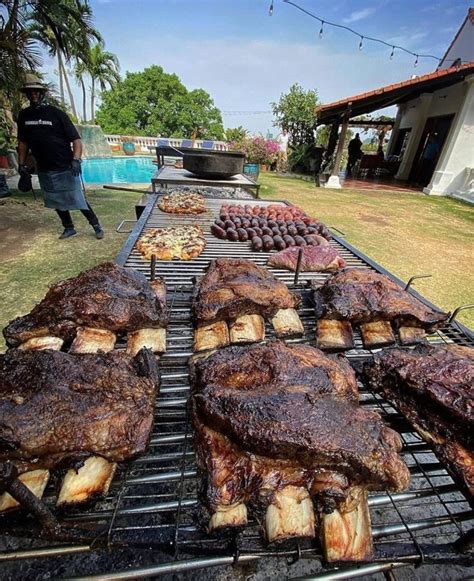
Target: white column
x,y
415,135
452,173
395,129
333,181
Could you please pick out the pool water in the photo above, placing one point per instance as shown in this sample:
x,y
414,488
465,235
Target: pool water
x,y
118,170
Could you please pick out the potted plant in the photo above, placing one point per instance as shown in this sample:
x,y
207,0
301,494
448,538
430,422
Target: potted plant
x,y
128,145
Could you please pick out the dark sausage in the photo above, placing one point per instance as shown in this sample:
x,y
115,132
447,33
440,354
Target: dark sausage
x,y
243,236
300,241
289,240
232,235
279,243
218,231
268,231
267,243
229,224
257,243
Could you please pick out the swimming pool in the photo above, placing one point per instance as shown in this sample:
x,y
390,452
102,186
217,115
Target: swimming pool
x,y
118,170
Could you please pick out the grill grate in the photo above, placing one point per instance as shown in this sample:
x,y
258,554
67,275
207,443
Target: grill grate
x,y
152,503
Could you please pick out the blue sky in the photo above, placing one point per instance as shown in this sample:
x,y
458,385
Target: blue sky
x,y
245,59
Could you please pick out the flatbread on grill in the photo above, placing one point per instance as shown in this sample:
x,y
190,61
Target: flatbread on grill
x,y
182,203
180,242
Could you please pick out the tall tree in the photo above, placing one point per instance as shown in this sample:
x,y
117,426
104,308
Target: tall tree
x,y
153,102
103,68
295,111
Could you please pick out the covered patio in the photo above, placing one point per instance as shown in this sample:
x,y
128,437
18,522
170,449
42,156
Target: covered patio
x,y
433,108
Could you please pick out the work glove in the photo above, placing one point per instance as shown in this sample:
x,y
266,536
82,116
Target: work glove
x,y
76,169
24,183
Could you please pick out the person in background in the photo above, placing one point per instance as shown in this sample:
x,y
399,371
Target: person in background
x,y
354,151
380,153
57,148
429,158
282,140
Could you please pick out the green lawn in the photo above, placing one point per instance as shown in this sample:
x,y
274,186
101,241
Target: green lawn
x,y
406,233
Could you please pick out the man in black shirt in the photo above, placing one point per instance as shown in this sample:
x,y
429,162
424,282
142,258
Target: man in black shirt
x,y
354,151
48,133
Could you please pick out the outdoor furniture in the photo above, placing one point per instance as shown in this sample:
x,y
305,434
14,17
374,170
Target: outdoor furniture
x,y
168,175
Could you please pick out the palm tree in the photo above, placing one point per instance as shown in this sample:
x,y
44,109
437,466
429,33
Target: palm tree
x,y
66,30
103,68
80,71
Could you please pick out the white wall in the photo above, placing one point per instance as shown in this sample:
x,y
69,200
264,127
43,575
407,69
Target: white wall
x,y
453,174
463,46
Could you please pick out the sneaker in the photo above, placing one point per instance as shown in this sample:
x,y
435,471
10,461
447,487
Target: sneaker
x,y
99,231
68,233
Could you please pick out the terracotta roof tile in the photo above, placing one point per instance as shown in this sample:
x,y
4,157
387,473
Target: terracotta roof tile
x,y
389,88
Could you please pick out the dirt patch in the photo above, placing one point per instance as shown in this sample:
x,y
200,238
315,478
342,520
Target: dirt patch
x,y
371,219
19,225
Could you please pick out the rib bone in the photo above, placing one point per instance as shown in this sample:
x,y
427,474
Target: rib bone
x,y
91,481
411,335
90,340
211,336
41,343
377,334
287,322
247,329
332,334
36,481
234,515
290,514
154,339
346,532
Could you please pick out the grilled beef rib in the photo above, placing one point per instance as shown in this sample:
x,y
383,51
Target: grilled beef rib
x,y
57,407
235,287
276,421
433,386
105,297
364,296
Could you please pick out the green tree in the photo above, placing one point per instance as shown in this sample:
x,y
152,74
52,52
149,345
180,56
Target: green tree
x,y
295,111
153,102
236,134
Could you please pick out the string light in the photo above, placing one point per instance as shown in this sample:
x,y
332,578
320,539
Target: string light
x,y
416,61
270,10
361,36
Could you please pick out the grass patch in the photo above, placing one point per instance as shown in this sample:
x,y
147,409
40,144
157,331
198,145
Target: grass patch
x,y
407,233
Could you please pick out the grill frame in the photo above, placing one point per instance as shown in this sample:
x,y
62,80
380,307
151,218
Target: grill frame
x,y
141,506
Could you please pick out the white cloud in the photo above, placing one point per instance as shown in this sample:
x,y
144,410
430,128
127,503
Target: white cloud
x,y
359,15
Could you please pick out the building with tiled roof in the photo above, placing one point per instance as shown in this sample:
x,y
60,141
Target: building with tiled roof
x,y
432,140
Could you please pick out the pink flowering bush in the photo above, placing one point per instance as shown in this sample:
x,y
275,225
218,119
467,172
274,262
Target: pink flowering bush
x,y
257,149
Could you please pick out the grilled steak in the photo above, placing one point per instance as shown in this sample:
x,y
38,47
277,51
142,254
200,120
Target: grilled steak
x,y
272,416
314,259
364,296
58,407
105,297
433,386
235,287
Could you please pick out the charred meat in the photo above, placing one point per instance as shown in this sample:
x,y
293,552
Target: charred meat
x,y
59,408
106,297
231,301
375,303
279,426
433,386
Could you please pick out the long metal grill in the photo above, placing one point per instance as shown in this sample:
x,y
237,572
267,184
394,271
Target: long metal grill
x,y
150,519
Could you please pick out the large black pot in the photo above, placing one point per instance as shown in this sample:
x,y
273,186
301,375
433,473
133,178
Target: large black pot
x,y
214,164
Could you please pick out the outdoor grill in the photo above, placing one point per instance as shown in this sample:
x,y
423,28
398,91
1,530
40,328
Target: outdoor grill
x,y
149,524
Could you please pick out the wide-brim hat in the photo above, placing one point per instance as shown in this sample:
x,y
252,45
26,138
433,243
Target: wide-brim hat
x,y
33,82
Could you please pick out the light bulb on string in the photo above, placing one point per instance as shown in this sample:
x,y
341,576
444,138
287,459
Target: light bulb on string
x,y
360,43
416,61
392,53
270,10
321,31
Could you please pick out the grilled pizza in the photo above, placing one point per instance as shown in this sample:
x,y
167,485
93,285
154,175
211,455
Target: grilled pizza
x,y
182,203
180,242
